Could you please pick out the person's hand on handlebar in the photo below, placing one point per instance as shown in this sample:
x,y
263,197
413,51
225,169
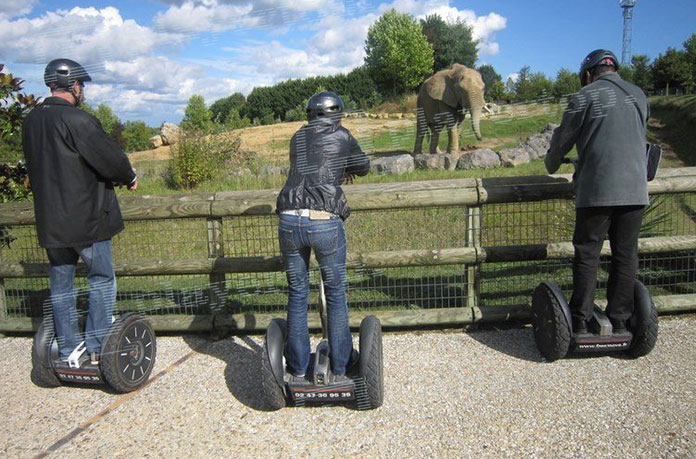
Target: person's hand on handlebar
x,y
134,185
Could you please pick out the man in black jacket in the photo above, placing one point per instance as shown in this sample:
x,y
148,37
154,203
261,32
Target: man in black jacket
x,y
312,208
607,121
73,167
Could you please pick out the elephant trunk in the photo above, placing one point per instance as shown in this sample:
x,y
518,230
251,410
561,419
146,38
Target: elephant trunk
x,y
476,107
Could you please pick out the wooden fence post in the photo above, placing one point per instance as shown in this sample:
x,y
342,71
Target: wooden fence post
x,y
473,281
216,280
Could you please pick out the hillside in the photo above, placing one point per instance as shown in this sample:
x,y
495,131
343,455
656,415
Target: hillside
x,y
673,126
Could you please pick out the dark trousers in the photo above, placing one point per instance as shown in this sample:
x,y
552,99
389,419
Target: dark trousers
x,y
591,227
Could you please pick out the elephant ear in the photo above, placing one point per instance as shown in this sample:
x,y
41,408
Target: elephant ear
x,y
439,87
449,95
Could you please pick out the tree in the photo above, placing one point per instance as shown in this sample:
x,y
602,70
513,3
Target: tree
x,y
690,50
136,136
450,42
397,53
642,76
434,29
567,82
531,86
196,116
493,82
222,108
672,70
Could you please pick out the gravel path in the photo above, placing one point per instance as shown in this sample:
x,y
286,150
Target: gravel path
x,y
484,393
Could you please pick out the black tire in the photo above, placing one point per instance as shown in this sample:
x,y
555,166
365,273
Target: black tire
x,y
644,323
41,372
273,394
128,353
551,328
371,362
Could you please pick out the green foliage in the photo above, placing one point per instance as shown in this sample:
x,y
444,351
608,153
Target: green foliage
x,y
14,182
495,89
136,136
450,42
234,121
222,109
197,117
398,55
642,77
567,82
626,73
198,156
672,69
109,122
532,86
267,119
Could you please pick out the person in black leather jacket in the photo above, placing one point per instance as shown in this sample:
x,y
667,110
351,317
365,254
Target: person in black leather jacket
x,y
73,166
312,208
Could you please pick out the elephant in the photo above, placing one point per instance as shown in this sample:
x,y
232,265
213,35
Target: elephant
x,y
443,100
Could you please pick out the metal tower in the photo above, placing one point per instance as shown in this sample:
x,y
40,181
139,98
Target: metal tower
x,y
627,6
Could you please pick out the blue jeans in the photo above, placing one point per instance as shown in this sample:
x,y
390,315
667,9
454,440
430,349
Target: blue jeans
x,y
102,295
298,236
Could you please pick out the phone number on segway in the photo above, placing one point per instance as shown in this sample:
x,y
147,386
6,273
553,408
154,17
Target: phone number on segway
x,y
323,395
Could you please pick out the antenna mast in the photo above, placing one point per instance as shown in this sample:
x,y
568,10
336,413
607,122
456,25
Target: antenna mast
x,y
627,6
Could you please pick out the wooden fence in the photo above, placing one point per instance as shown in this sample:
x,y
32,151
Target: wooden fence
x,y
471,194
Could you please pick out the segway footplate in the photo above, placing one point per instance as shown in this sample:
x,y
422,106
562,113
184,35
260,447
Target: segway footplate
x,y
338,392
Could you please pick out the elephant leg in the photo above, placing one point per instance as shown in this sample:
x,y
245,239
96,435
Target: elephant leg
x,y
434,138
452,140
454,135
421,129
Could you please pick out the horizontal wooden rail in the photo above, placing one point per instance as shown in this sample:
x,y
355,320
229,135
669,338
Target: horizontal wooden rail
x,y
375,196
454,317
383,259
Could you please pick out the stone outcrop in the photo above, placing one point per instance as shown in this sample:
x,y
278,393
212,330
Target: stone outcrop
x,y
483,158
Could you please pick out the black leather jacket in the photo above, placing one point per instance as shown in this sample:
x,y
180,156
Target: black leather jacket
x,y
73,165
320,153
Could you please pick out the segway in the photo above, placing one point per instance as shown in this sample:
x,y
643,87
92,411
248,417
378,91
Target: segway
x,y
363,387
553,324
126,361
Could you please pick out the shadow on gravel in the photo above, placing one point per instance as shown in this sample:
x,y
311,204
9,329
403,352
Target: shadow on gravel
x,y
517,342
243,358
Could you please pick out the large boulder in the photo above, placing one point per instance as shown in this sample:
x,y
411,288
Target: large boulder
x,y
428,161
393,165
537,146
156,141
511,157
483,158
170,133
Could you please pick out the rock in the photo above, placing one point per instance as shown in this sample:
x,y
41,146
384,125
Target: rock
x,y
451,161
428,161
491,108
483,158
537,146
156,141
393,165
170,133
239,172
511,157
274,170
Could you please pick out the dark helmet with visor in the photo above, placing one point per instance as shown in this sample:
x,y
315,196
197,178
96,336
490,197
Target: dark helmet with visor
x,y
62,73
325,106
595,58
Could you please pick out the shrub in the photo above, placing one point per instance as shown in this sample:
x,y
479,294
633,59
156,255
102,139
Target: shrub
x,y
14,182
136,136
198,156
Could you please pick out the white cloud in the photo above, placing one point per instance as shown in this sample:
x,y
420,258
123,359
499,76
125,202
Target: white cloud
x,y
87,35
513,76
193,16
12,8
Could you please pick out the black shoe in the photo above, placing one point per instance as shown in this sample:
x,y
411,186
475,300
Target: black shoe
x,y
580,327
618,327
339,378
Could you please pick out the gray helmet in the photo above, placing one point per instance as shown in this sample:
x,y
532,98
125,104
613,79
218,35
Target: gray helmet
x,y
62,73
325,105
595,58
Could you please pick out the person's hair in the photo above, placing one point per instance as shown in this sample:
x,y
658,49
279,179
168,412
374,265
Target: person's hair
x,y
600,69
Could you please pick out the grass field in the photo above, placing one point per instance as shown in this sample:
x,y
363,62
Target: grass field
x,y
389,288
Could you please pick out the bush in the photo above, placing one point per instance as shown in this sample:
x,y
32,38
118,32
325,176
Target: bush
x,y
296,114
14,182
136,136
198,156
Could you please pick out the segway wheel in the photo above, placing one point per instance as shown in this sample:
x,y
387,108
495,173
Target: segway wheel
x,y
644,323
128,353
42,351
551,328
272,370
371,362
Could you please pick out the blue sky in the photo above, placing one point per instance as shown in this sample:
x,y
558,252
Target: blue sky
x,y
148,57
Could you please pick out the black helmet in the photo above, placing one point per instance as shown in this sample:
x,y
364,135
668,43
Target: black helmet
x,y
325,105
62,73
595,58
